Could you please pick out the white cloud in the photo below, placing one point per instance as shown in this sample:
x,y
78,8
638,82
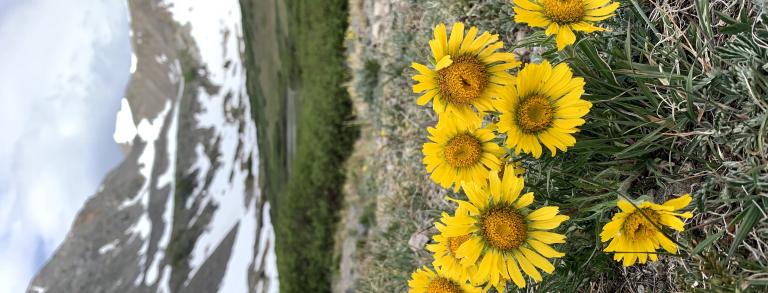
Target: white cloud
x,y
64,68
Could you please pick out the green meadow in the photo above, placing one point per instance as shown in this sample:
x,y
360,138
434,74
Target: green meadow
x,y
296,75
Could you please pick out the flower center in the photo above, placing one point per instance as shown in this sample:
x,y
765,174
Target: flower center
x,y
504,228
455,242
534,114
637,226
564,11
443,285
463,81
463,151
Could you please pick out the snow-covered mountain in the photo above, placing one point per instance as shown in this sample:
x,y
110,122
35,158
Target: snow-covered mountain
x,y
183,212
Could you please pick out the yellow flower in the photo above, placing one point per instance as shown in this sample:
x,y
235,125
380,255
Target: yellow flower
x,y
460,151
544,106
467,72
562,17
444,253
425,280
634,232
505,235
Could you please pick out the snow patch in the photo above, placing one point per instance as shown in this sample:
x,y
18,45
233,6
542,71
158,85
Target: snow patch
x,y
134,63
125,129
109,246
266,248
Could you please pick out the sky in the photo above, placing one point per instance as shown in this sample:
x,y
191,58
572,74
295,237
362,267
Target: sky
x,y
64,66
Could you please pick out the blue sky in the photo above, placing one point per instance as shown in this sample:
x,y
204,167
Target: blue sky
x,y
65,65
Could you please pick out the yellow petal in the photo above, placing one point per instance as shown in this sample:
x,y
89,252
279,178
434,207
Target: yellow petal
x,y
586,27
552,29
477,196
484,268
495,185
491,49
605,10
592,4
550,142
547,237
444,62
597,18
524,200
437,49
441,41
422,69
534,19
537,260
527,267
625,206
672,222
544,249
548,224
424,86
468,39
527,5
679,203
544,213
514,273
565,37
457,35
509,59
611,229
425,98
470,251
511,185
667,244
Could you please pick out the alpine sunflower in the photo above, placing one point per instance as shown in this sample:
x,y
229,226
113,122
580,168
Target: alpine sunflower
x,y
505,235
425,280
634,233
467,72
563,17
544,106
460,151
444,252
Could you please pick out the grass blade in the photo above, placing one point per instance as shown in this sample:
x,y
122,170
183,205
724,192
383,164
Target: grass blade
x,y
707,242
747,222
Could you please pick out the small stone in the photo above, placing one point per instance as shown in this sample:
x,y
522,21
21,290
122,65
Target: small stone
x,y
418,241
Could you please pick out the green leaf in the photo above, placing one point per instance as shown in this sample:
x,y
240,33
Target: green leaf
x,y
748,221
736,28
689,96
707,242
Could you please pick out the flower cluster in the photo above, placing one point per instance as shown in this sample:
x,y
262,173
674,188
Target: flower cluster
x,y
491,111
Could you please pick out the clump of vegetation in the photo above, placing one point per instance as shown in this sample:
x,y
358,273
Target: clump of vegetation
x,y
305,205
680,95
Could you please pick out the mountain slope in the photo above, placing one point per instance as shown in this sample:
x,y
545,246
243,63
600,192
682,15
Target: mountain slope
x,y
183,212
